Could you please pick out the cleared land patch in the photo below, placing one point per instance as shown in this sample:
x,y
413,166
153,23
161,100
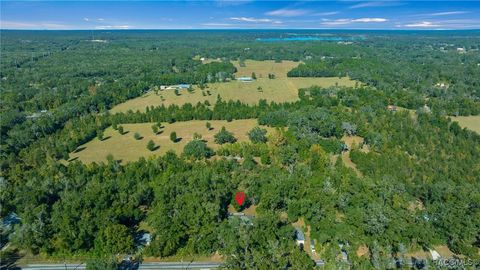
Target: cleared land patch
x,y
352,141
126,148
263,68
471,122
281,89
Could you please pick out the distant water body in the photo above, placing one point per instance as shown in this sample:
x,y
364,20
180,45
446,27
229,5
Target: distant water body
x,y
310,38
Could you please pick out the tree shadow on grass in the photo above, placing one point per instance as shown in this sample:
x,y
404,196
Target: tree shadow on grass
x,y
155,148
178,140
125,132
159,132
105,138
80,149
72,159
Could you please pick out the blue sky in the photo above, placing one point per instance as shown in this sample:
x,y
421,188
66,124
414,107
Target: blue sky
x,y
223,14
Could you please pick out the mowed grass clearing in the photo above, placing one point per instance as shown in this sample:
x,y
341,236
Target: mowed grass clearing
x,y
471,122
126,148
263,68
281,89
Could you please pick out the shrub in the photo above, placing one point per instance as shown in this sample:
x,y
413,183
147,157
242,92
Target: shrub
x,y
224,136
151,145
197,149
173,136
257,135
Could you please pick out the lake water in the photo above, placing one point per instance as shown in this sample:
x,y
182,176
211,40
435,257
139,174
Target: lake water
x,y
310,38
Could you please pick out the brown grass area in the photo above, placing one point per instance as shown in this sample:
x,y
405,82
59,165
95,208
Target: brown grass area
x,y
444,251
362,251
263,68
250,211
419,254
127,148
471,122
416,205
282,89
351,141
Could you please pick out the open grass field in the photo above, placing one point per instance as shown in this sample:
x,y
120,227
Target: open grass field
x,y
471,122
280,89
263,68
126,148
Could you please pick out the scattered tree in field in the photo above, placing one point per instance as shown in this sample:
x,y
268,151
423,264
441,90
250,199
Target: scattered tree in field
x,y
173,136
197,136
115,126
177,93
224,136
137,136
208,125
254,76
100,134
155,128
151,145
260,89
120,130
271,76
197,149
258,135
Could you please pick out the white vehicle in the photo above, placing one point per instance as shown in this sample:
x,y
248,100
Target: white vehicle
x,y
312,246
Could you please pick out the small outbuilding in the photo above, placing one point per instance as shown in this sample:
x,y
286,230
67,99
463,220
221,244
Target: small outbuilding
x,y
299,237
392,108
183,86
245,79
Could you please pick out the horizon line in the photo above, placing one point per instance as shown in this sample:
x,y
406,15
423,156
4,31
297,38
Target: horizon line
x,y
279,29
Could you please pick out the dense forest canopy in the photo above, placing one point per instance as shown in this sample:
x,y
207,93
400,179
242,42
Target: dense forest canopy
x,y
416,186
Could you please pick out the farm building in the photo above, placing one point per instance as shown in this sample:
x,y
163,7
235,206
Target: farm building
x,y
245,79
183,86
299,237
173,87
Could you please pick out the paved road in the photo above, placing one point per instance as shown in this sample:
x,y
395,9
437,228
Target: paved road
x,y
143,266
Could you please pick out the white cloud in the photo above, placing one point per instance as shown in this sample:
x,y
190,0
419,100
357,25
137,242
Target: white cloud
x,y
33,25
348,21
105,27
86,19
255,20
336,22
100,19
448,13
375,4
287,12
424,24
369,20
326,13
